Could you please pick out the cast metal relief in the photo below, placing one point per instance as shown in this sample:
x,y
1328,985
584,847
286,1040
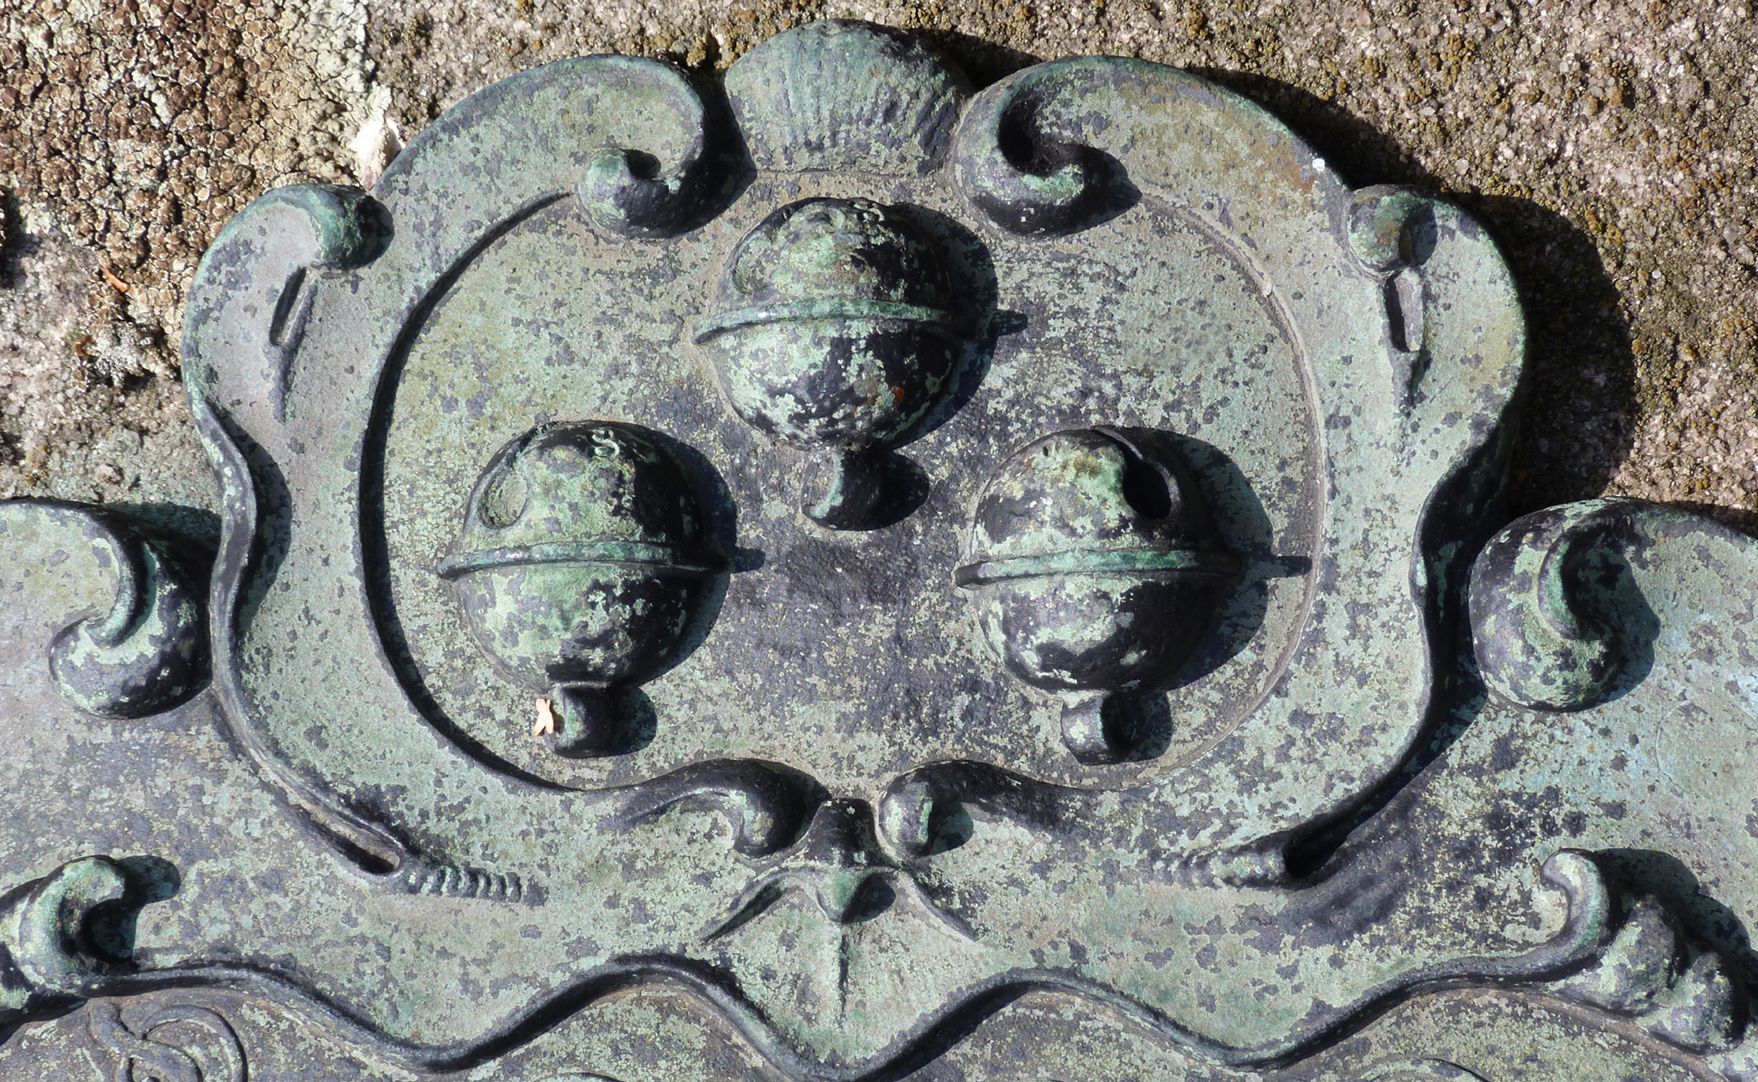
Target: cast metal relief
x,y
859,577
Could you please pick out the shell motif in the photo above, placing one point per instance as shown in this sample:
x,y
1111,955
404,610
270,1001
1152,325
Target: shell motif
x,y
845,95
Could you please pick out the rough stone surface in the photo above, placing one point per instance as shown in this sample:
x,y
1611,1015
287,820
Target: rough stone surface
x,y
134,131
1610,149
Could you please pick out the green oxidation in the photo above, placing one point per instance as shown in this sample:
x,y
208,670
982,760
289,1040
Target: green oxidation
x,y
1094,561
835,308
551,319
837,95
148,653
580,563
1379,221
779,368
1094,569
1089,491
142,648
47,927
833,329
636,554
1536,641
829,325
581,483
1211,433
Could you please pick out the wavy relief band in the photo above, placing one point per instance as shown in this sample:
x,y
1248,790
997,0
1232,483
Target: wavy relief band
x,y
60,908
766,807
388,845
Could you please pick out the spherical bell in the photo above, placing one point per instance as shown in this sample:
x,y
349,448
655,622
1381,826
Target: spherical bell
x,y
833,329
1094,569
581,564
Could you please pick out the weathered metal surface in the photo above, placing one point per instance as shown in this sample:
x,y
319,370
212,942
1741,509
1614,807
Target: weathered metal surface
x,y
866,579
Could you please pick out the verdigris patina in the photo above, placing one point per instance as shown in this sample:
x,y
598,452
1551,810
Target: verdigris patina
x,y
857,578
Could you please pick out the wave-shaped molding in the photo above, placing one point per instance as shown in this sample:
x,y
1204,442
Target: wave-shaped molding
x,y
1590,939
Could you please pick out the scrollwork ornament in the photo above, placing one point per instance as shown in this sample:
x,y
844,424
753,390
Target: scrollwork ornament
x,y
859,575
169,1042
53,943
141,649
